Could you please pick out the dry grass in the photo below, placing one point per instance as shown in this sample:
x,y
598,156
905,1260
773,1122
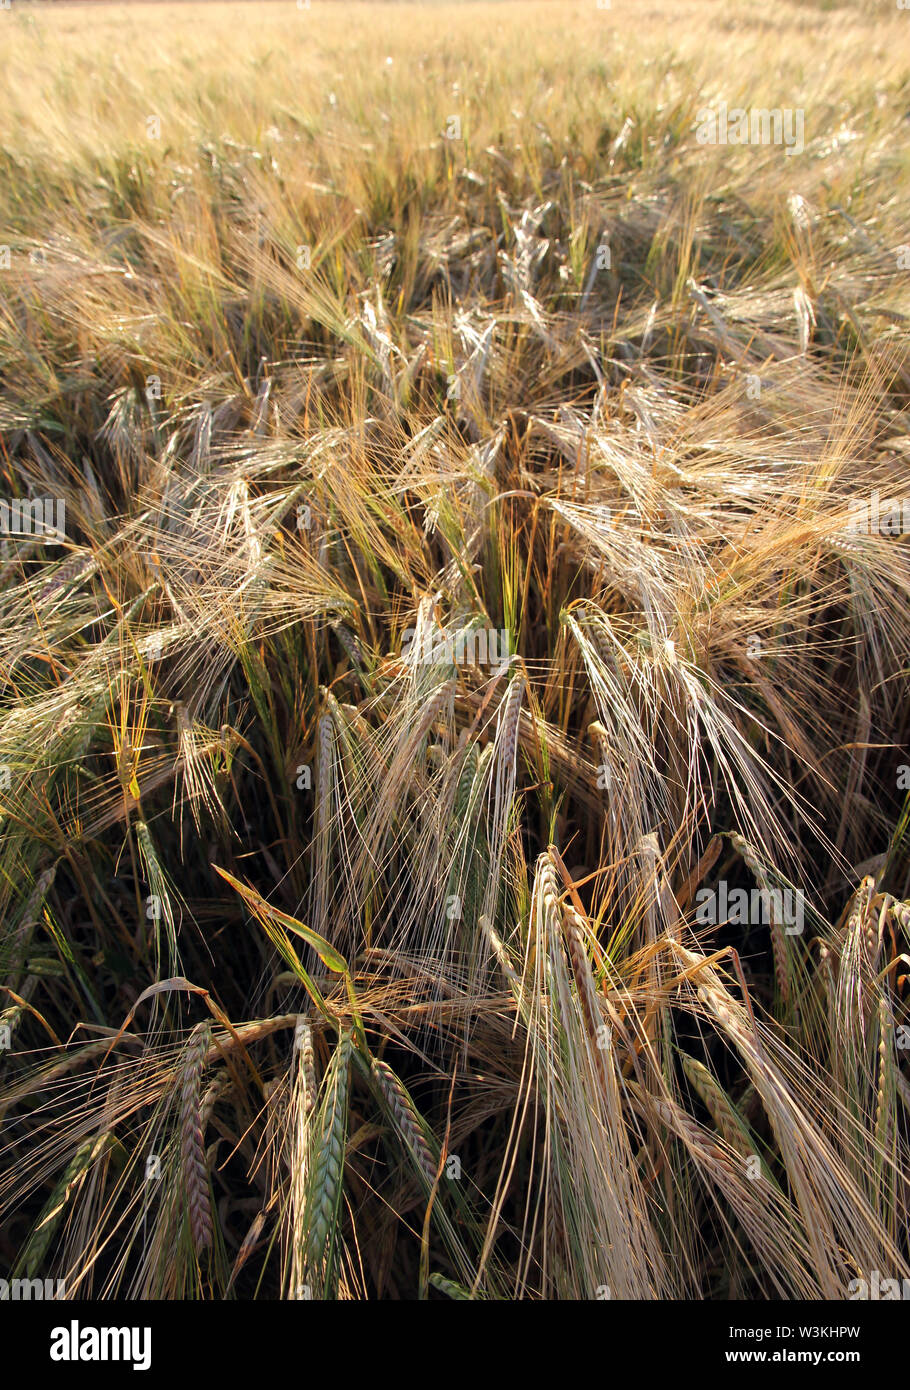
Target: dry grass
x,y
330,972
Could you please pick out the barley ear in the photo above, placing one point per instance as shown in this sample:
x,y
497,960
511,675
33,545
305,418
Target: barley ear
x,y
192,1141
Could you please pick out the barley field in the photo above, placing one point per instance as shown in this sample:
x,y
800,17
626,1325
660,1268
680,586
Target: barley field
x,y
454,645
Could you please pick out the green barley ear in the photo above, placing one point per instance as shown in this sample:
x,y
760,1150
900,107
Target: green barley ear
x,y
720,1107
450,1288
14,952
325,1186
404,1114
465,781
87,1154
162,898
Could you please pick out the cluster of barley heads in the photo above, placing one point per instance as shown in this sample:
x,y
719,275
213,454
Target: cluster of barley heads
x,y
339,959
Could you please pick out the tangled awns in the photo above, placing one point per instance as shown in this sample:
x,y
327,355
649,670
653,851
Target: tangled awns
x,y
455,603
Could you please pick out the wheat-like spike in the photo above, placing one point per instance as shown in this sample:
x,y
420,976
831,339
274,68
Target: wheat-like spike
x,y
852,993
581,970
324,1193
565,917
546,891
350,644
304,1036
195,758
601,738
465,782
29,920
504,777
405,1115
45,1227
718,1105
212,1094
501,954
587,993
450,1288
81,566
680,1122
900,911
11,1018
326,760
192,1143
747,854
779,953
159,886
511,714
436,707
43,885
874,925
884,1098
859,908
303,1099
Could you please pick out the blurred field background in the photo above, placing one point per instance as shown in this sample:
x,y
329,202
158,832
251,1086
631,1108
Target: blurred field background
x,y
329,973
